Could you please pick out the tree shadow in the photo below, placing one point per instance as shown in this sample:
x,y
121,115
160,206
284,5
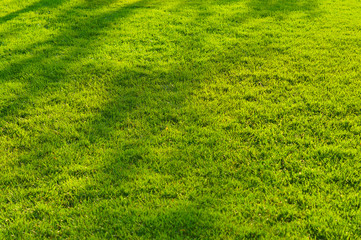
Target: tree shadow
x,y
278,9
33,7
48,57
282,5
78,37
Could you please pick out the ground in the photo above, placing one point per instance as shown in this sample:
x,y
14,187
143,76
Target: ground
x,y
180,119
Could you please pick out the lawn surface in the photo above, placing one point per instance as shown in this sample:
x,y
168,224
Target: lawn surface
x,y
180,119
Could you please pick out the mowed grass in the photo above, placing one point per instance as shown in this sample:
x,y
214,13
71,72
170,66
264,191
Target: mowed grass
x,y
180,119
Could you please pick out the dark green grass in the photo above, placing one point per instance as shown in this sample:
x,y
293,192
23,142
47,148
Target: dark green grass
x,y
178,119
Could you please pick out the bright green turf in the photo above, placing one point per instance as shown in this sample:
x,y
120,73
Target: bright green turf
x,y
180,119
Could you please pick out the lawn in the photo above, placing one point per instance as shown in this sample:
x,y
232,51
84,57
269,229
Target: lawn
x,y
180,119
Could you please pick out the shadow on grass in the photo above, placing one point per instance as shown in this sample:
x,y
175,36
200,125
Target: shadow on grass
x,y
78,38
33,7
279,9
51,71
282,6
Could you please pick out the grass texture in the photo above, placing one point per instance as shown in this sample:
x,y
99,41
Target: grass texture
x,y
180,119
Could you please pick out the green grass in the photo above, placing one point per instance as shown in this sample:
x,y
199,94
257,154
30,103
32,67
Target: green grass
x,y
180,119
